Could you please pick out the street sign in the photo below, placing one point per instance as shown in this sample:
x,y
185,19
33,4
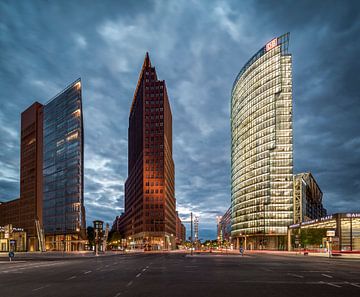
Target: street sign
x,y
330,233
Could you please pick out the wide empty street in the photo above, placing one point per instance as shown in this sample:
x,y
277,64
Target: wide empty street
x,y
176,274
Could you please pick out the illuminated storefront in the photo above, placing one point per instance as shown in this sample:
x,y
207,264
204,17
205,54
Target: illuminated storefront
x,y
262,152
12,239
345,225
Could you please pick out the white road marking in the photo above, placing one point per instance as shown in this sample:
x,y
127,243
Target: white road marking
x,y
118,294
138,274
296,275
129,284
72,277
144,269
355,285
147,266
331,284
87,272
40,288
326,275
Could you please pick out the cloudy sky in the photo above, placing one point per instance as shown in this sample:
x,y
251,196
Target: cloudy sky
x,y
198,47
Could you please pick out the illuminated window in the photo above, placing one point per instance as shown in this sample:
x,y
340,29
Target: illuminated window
x,y
31,141
76,113
78,85
73,136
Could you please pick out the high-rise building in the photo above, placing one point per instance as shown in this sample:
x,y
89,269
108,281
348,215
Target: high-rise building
x,y
307,198
51,174
262,151
24,211
31,178
63,170
150,218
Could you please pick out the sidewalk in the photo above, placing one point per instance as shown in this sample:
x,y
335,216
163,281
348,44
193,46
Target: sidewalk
x,y
56,255
308,253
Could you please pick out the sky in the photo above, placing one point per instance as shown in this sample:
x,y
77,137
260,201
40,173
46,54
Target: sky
x,y
197,47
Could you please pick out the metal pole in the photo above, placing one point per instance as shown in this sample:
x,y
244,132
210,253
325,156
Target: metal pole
x,y
191,233
264,228
351,235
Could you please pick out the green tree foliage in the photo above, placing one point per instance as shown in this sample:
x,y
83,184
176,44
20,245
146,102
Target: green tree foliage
x,y
312,236
113,236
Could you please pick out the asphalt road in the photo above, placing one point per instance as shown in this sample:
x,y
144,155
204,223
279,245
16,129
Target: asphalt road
x,y
182,275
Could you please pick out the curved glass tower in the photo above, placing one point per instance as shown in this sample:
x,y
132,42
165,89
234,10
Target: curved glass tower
x,y
262,151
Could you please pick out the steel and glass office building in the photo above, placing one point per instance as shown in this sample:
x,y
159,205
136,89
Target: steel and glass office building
x,y
262,148
63,167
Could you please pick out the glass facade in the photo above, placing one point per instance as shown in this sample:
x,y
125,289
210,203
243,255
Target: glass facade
x,y
262,145
345,225
63,202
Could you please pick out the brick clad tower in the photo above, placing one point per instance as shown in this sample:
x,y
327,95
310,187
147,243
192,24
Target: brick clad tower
x,y
149,220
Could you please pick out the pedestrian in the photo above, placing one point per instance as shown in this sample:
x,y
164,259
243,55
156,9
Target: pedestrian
x,y
11,255
242,251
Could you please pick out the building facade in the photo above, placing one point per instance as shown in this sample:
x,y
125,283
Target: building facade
x,y
150,218
51,205
180,231
307,198
10,213
31,177
313,234
27,209
262,152
63,170
12,239
225,226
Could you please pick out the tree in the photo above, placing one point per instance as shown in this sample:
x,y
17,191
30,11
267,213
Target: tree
x,y
113,236
312,236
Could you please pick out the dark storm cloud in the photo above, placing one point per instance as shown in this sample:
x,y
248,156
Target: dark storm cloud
x,y
198,47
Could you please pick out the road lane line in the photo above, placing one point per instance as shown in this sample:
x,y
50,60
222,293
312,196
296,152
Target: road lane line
x,y
40,288
118,294
326,275
331,284
87,272
144,269
129,284
72,277
138,274
355,285
295,275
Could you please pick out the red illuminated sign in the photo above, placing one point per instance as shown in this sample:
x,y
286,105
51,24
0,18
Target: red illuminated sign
x,y
271,44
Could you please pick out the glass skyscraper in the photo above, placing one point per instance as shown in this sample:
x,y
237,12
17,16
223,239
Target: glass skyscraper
x,y
262,148
63,167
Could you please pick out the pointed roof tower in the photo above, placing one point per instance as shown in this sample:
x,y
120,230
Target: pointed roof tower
x,y
146,64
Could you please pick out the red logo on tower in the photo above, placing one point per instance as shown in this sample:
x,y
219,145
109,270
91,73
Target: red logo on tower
x,y
271,44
